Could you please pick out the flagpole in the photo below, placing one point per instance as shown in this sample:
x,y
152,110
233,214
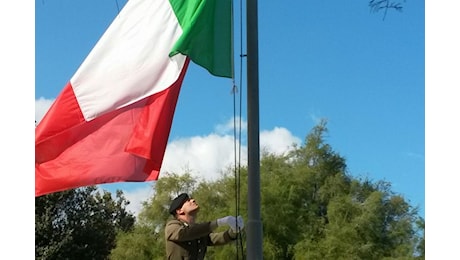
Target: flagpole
x,y
254,223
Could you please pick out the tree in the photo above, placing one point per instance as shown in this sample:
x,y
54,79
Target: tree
x,y
350,218
215,198
311,208
79,223
385,5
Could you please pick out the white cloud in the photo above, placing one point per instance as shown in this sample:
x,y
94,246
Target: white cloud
x,y
277,141
41,107
206,156
203,156
229,126
137,197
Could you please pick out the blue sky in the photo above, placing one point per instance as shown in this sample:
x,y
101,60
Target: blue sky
x,y
317,59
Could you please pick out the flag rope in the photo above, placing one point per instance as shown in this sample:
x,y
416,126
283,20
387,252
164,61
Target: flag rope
x,y
237,127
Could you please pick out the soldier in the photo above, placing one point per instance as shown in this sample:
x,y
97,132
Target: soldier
x,y
186,239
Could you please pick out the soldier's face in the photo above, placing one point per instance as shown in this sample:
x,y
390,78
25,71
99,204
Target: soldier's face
x,y
190,206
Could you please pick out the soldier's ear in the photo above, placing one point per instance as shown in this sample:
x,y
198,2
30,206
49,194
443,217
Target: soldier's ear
x,y
180,212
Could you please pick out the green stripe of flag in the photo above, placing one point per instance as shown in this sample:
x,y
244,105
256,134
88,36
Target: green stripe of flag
x,y
206,38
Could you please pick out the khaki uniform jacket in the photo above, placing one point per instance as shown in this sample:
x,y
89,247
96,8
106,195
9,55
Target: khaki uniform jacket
x,y
190,242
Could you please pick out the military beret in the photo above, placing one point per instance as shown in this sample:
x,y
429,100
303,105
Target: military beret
x,y
177,203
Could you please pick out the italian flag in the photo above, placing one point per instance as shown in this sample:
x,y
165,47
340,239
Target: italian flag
x,y
112,120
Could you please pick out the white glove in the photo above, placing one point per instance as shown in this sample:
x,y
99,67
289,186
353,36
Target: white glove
x,y
236,224
228,220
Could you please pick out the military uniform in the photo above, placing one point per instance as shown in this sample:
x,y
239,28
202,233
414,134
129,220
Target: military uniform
x,y
190,242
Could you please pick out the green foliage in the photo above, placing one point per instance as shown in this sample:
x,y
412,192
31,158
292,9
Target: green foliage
x,y
146,241
311,208
79,224
139,244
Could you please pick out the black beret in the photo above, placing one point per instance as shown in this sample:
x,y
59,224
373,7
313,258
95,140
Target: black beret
x,y
177,203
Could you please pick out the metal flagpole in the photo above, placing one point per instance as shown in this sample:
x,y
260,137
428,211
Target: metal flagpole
x,y
254,223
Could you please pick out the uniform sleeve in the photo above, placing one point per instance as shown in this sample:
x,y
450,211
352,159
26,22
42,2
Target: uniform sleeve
x,y
177,231
221,238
